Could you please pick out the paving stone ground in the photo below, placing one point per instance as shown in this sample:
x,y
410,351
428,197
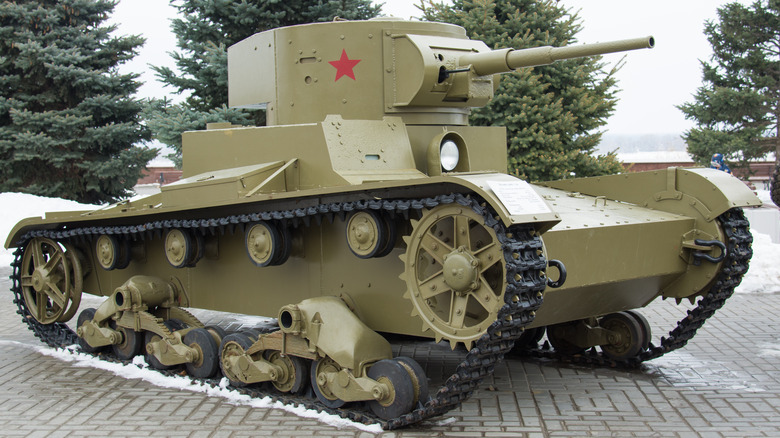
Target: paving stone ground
x,y
726,382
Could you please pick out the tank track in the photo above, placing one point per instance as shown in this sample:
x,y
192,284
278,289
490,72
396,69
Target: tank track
x,y
525,265
737,230
774,186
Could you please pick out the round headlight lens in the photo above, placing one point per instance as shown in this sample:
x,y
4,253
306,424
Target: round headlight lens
x,y
449,155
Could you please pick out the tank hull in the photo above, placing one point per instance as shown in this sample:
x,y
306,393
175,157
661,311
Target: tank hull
x,y
618,256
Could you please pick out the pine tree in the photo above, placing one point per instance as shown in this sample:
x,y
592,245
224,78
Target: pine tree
x,y
552,113
204,32
738,106
68,122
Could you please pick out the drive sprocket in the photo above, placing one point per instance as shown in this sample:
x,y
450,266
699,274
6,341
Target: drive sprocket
x,y
455,273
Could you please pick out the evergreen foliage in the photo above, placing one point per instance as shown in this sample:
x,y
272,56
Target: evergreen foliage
x,y
738,106
204,32
68,122
552,113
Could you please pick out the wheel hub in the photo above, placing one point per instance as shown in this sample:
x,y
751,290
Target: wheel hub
x,y
178,248
39,277
175,249
461,271
260,244
363,233
105,253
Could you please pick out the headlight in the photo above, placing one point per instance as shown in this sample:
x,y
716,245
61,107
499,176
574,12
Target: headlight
x,y
449,155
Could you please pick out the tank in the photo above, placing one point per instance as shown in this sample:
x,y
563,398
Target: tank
x,y
368,206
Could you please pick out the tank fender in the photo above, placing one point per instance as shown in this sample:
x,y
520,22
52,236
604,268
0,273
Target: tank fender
x,y
336,332
709,192
14,237
514,200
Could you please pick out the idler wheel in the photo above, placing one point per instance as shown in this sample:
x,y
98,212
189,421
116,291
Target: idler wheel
x,y
86,315
206,361
399,396
626,338
455,273
319,385
233,345
111,252
47,280
367,233
294,372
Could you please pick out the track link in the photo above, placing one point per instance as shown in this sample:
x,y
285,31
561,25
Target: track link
x,y
525,265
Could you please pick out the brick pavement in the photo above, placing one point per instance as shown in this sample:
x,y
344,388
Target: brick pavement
x,y
726,382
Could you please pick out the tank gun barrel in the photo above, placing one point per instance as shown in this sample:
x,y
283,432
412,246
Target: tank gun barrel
x,y
506,60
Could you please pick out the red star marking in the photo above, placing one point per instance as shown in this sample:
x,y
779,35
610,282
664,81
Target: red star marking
x,y
344,65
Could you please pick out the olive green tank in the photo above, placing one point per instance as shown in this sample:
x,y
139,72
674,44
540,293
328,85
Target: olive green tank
x,y
369,205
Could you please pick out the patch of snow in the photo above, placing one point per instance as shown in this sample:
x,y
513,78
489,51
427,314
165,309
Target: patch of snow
x,y
17,206
770,350
143,190
446,421
140,370
764,220
764,273
763,195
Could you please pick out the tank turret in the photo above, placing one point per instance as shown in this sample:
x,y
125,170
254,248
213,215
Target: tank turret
x,y
427,73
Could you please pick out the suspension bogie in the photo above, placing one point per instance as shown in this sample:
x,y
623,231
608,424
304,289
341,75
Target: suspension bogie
x,y
620,335
142,316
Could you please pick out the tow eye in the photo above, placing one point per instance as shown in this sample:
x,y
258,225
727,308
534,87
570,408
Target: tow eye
x,y
561,270
700,245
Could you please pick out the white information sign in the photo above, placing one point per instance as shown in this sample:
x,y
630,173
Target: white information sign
x,y
519,197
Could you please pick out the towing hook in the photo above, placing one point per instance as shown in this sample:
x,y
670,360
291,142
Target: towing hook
x,y
698,255
561,271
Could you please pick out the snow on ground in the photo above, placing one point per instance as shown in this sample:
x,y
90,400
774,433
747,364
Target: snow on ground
x,y
139,370
763,276
770,350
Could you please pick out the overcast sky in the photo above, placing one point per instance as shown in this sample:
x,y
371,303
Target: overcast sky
x,y
652,82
